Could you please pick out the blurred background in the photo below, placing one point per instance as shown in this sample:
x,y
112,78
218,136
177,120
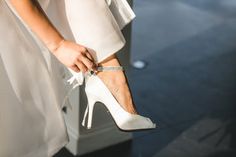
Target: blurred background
x,y
188,83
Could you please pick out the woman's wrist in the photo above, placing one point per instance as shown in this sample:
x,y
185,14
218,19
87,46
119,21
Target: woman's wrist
x,y
53,46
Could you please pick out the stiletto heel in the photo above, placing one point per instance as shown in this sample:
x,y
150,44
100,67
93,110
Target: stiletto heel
x,y
96,90
89,112
91,103
85,115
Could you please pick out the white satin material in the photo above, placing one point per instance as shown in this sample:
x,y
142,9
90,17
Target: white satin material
x,y
105,39
35,85
31,120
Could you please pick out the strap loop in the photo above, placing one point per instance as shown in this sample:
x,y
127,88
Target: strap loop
x,y
109,68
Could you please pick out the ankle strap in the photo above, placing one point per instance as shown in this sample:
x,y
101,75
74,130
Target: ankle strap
x,y
105,68
109,68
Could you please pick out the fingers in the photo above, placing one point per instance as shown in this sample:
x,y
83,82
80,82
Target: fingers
x,y
81,66
89,56
75,68
85,51
84,60
82,49
87,62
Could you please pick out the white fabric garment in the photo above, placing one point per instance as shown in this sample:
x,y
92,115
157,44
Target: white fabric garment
x,y
33,84
106,37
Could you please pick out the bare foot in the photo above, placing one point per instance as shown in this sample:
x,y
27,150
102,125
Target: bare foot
x,y
117,83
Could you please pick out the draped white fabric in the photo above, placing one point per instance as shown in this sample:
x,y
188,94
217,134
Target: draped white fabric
x,y
33,83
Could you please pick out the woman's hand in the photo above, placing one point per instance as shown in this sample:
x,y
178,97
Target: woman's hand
x,y
69,53
74,56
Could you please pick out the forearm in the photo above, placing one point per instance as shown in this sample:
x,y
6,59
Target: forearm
x,y
34,16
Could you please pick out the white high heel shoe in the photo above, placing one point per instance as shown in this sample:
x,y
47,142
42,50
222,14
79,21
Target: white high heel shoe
x,y
97,91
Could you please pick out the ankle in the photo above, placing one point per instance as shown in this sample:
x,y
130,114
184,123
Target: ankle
x,y
117,77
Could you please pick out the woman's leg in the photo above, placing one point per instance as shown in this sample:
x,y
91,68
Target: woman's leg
x,y
117,83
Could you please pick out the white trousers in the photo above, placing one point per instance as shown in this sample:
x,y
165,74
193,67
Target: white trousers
x,y
32,85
